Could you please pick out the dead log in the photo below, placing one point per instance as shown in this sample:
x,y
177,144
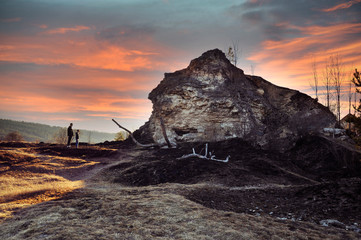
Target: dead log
x,y
147,145
207,156
165,133
134,140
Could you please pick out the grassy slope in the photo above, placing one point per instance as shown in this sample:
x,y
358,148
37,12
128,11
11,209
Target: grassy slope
x,y
101,210
113,212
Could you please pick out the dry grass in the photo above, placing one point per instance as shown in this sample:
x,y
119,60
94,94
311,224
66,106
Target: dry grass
x,y
112,212
24,183
54,207
28,179
20,190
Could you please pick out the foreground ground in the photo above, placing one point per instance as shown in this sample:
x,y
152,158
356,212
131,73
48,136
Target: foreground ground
x,y
121,192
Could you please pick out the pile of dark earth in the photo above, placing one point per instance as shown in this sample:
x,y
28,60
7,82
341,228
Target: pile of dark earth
x,y
318,179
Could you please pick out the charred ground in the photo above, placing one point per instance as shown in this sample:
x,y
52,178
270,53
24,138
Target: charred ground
x,y
318,179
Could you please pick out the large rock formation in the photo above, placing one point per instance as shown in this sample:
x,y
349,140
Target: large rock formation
x,y
212,100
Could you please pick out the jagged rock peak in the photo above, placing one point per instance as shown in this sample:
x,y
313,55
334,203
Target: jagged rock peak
x,y
212,70
212,100
211,59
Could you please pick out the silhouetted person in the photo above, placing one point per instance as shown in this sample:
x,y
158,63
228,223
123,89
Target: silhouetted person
x,y
70,134
77,138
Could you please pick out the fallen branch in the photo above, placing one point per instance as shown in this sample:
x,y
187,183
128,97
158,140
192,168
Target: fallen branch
x,y
165,133
206,155
134,140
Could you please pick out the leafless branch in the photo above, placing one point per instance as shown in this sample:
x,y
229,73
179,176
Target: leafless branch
x,y
134,140
206,155
165,133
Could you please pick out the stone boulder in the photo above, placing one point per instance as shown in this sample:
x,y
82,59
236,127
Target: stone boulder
x,y
212,100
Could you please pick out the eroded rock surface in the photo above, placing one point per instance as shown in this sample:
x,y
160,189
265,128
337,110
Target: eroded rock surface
x,y
212,100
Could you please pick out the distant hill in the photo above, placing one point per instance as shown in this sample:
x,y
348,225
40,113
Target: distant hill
x,y
36,132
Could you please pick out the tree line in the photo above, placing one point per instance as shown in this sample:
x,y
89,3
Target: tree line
x,y
11,130
335,84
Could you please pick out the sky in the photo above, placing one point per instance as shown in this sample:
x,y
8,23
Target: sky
x,y
88,61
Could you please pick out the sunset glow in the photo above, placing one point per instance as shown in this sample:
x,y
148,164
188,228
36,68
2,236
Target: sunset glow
x,y
92,61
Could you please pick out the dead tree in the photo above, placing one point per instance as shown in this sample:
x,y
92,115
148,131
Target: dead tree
x,y
234,53
327,83
206,155
337,74
164,133
147,145
314,84
357,81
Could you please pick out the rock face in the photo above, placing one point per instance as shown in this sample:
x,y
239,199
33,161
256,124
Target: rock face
x,y
212,100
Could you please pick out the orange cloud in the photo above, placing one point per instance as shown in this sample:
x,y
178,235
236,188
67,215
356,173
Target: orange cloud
x,y
100,106
68,91
28,102
338,29
288,61
341,6
65,30
64,50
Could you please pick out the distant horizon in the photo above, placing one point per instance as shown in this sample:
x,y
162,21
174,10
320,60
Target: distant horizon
x,y
87,62
74,128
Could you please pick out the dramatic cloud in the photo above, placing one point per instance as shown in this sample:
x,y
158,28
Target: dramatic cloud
x,y
295,55
77,51
89,61
342,6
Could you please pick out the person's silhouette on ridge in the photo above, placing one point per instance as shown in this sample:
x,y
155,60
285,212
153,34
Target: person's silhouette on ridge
x,y
70,134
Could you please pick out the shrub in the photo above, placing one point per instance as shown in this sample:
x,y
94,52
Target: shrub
x,y
14,137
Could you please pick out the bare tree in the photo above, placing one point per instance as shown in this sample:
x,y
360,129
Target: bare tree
x,y
230,55
61,136
234,53
314,83
355,98
357,81
13,137
327,83
337,78
349,93
121,136
252,69
354,106
89,137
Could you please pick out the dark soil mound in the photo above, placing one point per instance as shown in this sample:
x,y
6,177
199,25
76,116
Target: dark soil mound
x,y
162,166
313,159
318,179
314,203
325,159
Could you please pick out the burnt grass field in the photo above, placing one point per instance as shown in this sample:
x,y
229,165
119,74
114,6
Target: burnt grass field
x,y
308,183
283,195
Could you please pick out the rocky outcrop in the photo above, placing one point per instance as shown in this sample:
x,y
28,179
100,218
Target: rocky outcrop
x,y
212,100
